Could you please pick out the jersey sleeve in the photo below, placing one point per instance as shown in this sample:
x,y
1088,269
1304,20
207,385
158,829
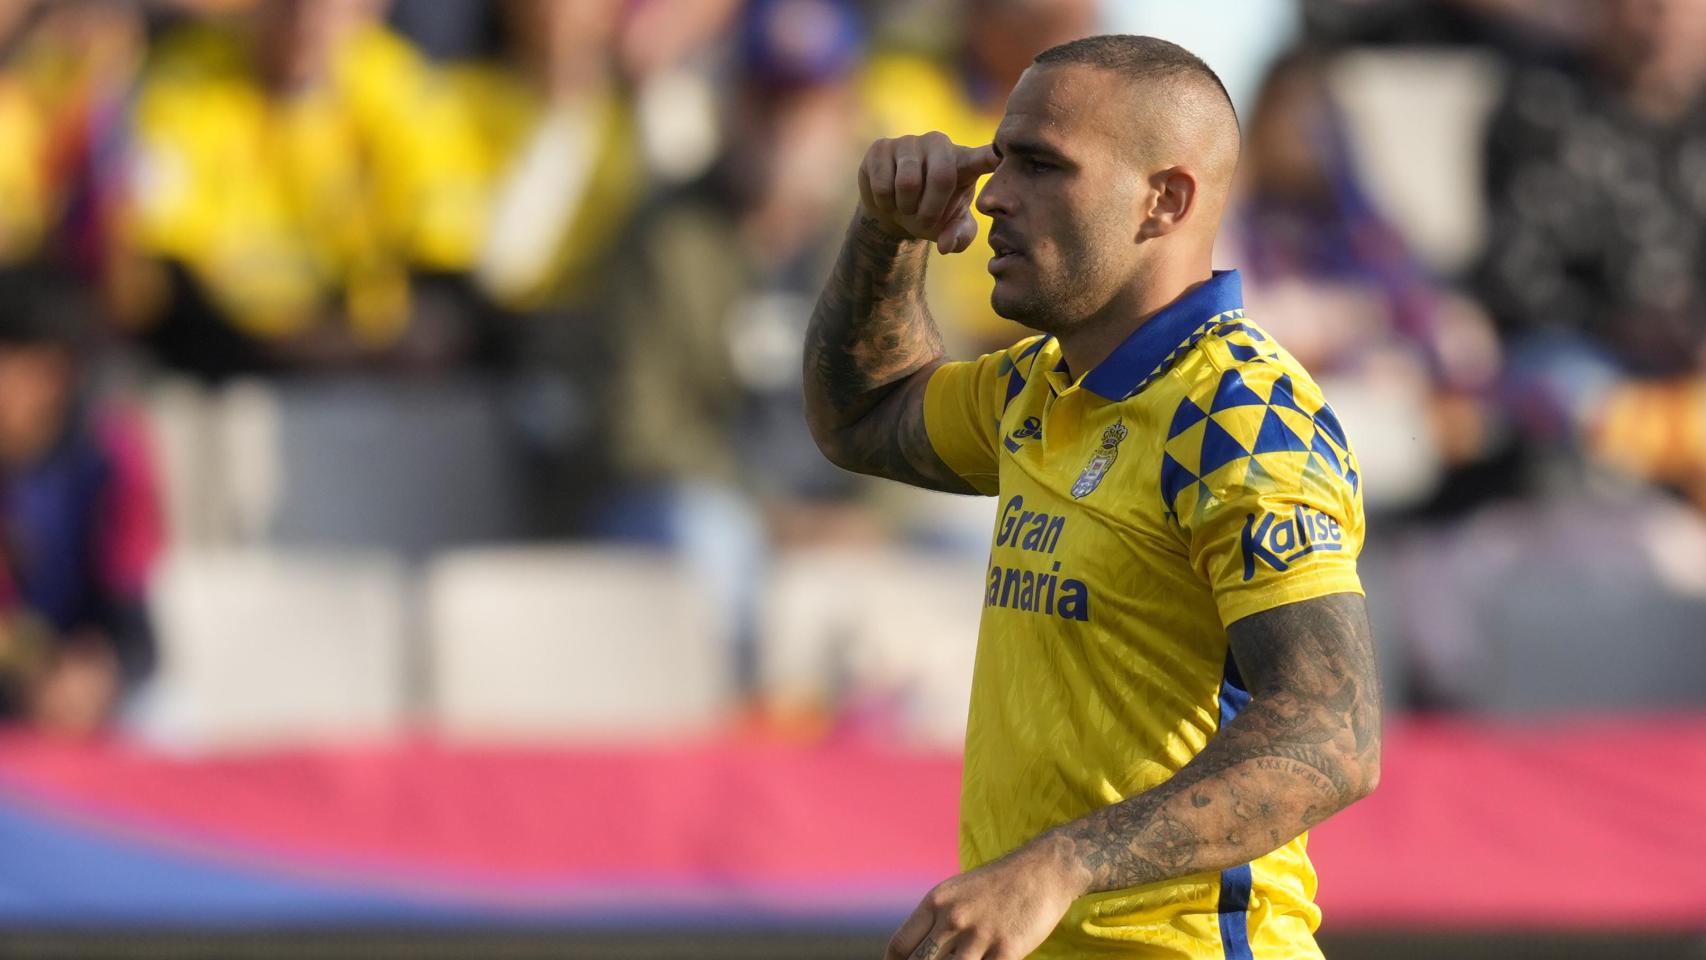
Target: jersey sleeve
x,y
1262,483
963,403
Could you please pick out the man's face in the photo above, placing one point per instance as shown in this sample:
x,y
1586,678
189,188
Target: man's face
x,y
1662,36
1064,199
35,391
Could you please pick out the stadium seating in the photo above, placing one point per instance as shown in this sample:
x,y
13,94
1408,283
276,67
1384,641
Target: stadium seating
x,y
361,463
538,643
265,647
1583,620
866,630
1571,604
184,442
385,464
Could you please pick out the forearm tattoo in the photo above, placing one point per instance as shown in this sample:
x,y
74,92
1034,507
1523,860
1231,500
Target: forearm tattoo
x,y
871,327
1307,745
870,333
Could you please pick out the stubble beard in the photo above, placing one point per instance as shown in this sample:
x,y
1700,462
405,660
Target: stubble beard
x,y
1039,310
1061,303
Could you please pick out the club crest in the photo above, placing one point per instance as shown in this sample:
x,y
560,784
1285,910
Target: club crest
x,y
1100,461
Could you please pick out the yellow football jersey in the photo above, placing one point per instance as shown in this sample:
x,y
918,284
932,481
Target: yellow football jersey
x,y
1193,478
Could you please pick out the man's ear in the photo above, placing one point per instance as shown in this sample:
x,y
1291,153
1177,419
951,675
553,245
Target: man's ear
x,y
1172,199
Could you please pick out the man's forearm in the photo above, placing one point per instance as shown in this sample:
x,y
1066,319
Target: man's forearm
x,y
871,328
871,346
1279,768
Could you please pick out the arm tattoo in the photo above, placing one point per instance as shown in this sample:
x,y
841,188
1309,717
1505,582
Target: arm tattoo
x,y
871,327
870,348
1307,745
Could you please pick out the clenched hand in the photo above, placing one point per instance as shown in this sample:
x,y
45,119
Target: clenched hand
x,y
921,188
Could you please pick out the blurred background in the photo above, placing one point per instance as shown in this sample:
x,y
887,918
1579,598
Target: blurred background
x,y
410,541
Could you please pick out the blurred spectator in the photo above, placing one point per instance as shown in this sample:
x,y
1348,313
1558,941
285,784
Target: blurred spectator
x,y
1510,24
253,187
65,73
963,95
1596,268
23,124
668,51
535,144
568,166
524,167
81,526
708,301
1337,284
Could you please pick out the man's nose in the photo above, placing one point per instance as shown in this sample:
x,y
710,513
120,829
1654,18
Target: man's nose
x,y
995,199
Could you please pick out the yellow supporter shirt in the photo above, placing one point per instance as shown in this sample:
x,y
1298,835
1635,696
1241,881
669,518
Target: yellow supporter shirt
x,y
269,201
24,188
1193,478
517,129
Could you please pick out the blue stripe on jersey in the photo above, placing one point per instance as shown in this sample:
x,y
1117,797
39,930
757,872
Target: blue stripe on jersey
x,y
1233,697
1236,882
1015,383
1235,913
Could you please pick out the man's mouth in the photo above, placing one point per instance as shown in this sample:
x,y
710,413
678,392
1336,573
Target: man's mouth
x,y
1006,252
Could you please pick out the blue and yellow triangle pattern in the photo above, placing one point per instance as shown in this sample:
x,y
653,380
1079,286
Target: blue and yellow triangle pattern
x,y
1253,428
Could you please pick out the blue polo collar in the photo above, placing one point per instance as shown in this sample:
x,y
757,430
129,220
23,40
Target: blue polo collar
x,y
1154,345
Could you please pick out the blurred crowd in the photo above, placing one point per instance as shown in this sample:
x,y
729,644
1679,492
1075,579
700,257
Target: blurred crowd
x,y
616,214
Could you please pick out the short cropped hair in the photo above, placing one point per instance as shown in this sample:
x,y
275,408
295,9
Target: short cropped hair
x,y
1143,59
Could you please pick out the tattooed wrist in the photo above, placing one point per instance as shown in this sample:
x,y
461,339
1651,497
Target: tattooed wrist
x,y
864,219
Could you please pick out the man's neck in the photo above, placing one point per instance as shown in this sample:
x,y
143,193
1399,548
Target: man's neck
x,y
1097,338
